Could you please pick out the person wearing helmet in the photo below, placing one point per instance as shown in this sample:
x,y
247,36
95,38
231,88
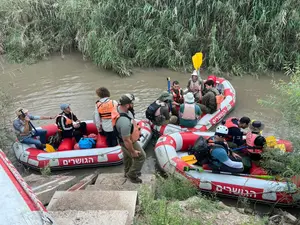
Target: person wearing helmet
x,y
222,159
128,134
195,86
24,131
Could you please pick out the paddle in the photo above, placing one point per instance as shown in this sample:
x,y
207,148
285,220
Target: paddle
x,y
21,110
197,60
49,148
169,90
266,177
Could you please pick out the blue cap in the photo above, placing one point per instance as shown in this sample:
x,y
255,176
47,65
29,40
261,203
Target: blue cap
x,y
64,106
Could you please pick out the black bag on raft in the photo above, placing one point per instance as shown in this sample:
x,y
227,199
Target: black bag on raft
x,y
150,112
201,151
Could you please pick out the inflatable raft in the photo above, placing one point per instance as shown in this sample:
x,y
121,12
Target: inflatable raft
x,y
170,149
19,205
68,155
208,120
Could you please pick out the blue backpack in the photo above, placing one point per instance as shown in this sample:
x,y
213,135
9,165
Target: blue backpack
x,y
86,143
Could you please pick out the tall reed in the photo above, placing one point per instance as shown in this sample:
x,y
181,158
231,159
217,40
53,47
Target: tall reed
x,y
237,36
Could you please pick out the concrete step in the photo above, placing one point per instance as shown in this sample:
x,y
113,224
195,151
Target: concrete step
x,y
82,184
90,217
83,200
117,182
45,187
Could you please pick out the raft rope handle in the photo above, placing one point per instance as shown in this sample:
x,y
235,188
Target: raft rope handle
x,y
27,189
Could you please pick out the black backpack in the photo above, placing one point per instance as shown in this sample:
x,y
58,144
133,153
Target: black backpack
x,y
201,150
150,112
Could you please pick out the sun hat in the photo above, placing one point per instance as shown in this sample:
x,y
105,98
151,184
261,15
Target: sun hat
x,y
189,98
19,113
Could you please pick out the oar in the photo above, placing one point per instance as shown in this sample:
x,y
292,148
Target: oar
x,y
197,60
169,90
29,120
200,169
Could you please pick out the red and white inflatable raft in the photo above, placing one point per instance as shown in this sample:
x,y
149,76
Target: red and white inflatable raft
x,y
208,120
68,157
170,148
19,205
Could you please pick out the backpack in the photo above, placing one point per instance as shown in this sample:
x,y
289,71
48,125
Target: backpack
x,y
55,139
86,143
150,112
201,150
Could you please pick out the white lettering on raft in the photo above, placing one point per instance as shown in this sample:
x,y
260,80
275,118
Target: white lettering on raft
x,y
77,161
219,116
236,191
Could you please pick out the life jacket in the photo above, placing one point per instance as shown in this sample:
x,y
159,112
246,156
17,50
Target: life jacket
x,y
229,124
151,110
105,108
219,100
68,123
250,141
189,112
195,86
135,129
177,96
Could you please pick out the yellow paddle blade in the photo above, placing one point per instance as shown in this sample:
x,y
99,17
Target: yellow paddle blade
x,y
49,148
189,159
197,60
271,141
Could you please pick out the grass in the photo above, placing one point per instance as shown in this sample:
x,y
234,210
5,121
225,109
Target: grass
x,y
5,103
176,201
236,36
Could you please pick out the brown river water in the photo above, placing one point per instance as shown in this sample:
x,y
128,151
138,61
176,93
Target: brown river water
x,y
42,87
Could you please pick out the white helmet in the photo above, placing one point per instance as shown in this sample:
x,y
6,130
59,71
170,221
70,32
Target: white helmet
x,y
194,73
222,130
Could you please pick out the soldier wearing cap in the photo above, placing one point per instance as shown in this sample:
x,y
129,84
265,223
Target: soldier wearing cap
x,y
24,131
128,134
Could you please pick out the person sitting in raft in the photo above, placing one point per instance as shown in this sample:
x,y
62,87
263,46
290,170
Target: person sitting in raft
x,y
103,116
254,139
235,135
209,101
24,131
219,87
161,110
221,158
69,124
189,112
177,93
195,86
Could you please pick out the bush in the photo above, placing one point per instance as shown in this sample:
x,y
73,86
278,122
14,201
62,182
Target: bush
x,y
287,102
235,36
5,102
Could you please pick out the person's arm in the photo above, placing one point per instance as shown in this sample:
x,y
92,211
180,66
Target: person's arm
x,y
97,120
41,117
198,111
75,119
63,124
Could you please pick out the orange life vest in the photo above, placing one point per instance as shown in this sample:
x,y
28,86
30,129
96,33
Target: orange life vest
x,y
68,123
230,124
105,109
219,100
177,97
250,139
135,129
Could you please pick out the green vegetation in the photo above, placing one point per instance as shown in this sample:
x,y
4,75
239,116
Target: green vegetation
x,y
236,36
5,102
176,201
287,102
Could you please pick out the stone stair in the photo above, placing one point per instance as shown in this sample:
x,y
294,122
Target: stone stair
x,y
111,200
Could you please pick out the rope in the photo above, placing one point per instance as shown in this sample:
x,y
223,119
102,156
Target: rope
x,y
46,220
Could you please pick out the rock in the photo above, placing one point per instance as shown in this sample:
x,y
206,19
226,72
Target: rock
x,y
90,217
248,211
84,200
289,218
